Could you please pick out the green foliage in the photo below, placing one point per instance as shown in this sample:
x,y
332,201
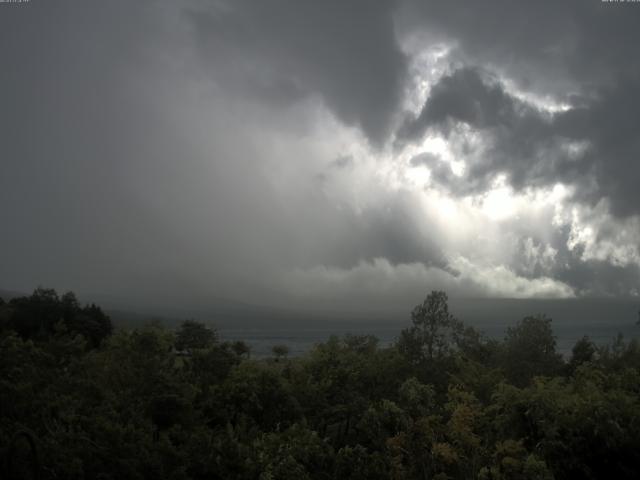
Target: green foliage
x,y
280,352
241,349
444,403
37,317
194,335
357,463
433,332
530,350
416,398
259,396
583,351
296,453
511,461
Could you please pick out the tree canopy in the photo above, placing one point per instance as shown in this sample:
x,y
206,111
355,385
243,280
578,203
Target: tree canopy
x,y
81,400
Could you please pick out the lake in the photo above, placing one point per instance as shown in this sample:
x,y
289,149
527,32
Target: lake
x,y
600,319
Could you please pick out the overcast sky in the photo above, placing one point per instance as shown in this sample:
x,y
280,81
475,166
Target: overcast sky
x,y
320,152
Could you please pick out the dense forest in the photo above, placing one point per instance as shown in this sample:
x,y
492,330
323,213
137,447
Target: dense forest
x,y
79,400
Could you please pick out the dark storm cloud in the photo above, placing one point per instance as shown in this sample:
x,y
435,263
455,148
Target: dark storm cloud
x,y
585,53
553,47
391,232
598,277
126,170
109,182
521,139
64,133
171,151
386,226
588,277
281,50
610,124
533,148
463,96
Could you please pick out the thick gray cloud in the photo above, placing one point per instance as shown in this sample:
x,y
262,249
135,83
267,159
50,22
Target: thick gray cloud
x,y
178,153
554,259
550,47
581,53
610,125
281,50
109,183
135,163
391,232
527,144
522,139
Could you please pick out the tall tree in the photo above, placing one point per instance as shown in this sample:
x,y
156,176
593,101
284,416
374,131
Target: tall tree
x,y
194,335
530,350
434,330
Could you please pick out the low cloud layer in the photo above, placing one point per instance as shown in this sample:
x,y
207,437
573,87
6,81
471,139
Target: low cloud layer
x,y
285,152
